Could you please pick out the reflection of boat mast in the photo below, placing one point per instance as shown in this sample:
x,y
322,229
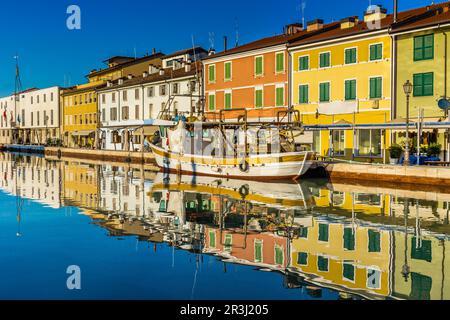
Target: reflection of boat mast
x,y
19,203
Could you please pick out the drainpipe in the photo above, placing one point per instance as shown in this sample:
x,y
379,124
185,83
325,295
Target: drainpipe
x,y
394,50
290,80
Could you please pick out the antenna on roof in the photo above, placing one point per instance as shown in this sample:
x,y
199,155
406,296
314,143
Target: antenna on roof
x,y
303,7
236,27
135,54
211,40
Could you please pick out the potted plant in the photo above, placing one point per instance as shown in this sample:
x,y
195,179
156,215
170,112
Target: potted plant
x,y
395,152
434,150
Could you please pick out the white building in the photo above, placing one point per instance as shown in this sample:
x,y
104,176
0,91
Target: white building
x,y
32,118
125,105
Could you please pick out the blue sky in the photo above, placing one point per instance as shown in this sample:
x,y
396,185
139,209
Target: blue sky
x,y
50,54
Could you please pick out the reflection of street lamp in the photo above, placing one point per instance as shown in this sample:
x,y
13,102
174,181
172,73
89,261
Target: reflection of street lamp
x,y
405,268
407,88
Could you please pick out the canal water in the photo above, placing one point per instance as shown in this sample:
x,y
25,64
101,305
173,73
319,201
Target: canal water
x,y
136,234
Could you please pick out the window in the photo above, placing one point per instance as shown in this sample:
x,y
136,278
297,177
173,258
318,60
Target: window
x,y
31,100
51,117
23,117
369,142
150,110
162,90
376,88
303,63
423,84
103,98
103,115
51,96
279,62
374,241
125,95
350,56
113,97
350,90
125,113
150,92
212,239
212,102
212,74
37,99
259,98
303,232
348,272
424,47
32,119
349,239
323,232
228,242
316,141
376,52
45,98
280,96
136,112
258,251
227,100
324,60
175,88
421,286
322,264
421,250
259,66
324,92
113,114
228,71
279,255
38,118
302,258
338,142
303,93
136,94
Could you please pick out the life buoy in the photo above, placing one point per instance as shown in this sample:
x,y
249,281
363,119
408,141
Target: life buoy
x,y
244,166
244,190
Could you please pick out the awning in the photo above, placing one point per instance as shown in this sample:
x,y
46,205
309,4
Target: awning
x,y
148,131
82,133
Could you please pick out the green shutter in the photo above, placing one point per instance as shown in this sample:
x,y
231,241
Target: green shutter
x,y
423,84
302,258
349,271
374,241
280,62
421,286
228,71
258,251
350,56
324,92
323,232
304,63
322,263
259,66
212,73
424,47
376,52
279,255
376,88
324,60
349,239
303,93
212,239
303,232
350,89
227,101
212,104
280,97
424,252
258,98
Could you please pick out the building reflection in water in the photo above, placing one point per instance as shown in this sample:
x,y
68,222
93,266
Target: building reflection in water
x,y
362,241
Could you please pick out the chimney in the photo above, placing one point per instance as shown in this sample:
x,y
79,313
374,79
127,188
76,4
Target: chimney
x,y
120,81
152,69
187,66
225,43
130,76
375,13
293,28
314,25
211,52
108,83
154,51
161,72
349,22
145,74
395,11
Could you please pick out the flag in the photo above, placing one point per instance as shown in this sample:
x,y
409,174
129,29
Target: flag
x,y
4,115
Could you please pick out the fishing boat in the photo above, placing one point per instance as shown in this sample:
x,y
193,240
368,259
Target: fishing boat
x,y
2,148
242,149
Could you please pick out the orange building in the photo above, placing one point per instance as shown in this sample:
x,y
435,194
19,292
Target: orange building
x,y
252,76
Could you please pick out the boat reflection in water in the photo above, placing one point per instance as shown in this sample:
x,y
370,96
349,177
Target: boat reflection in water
x,y
360,241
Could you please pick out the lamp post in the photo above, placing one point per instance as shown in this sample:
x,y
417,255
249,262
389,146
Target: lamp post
x,y
407,88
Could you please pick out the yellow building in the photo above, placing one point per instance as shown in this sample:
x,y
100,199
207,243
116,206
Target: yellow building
x,y
341,78
81,185
79,104
422,58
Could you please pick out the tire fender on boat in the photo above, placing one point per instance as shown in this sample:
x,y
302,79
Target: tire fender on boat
x,y
244,166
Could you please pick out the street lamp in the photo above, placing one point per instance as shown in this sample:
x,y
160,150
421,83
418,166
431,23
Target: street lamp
x,y
407,88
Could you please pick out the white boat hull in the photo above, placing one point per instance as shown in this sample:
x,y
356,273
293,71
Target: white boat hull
x,y
268,166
